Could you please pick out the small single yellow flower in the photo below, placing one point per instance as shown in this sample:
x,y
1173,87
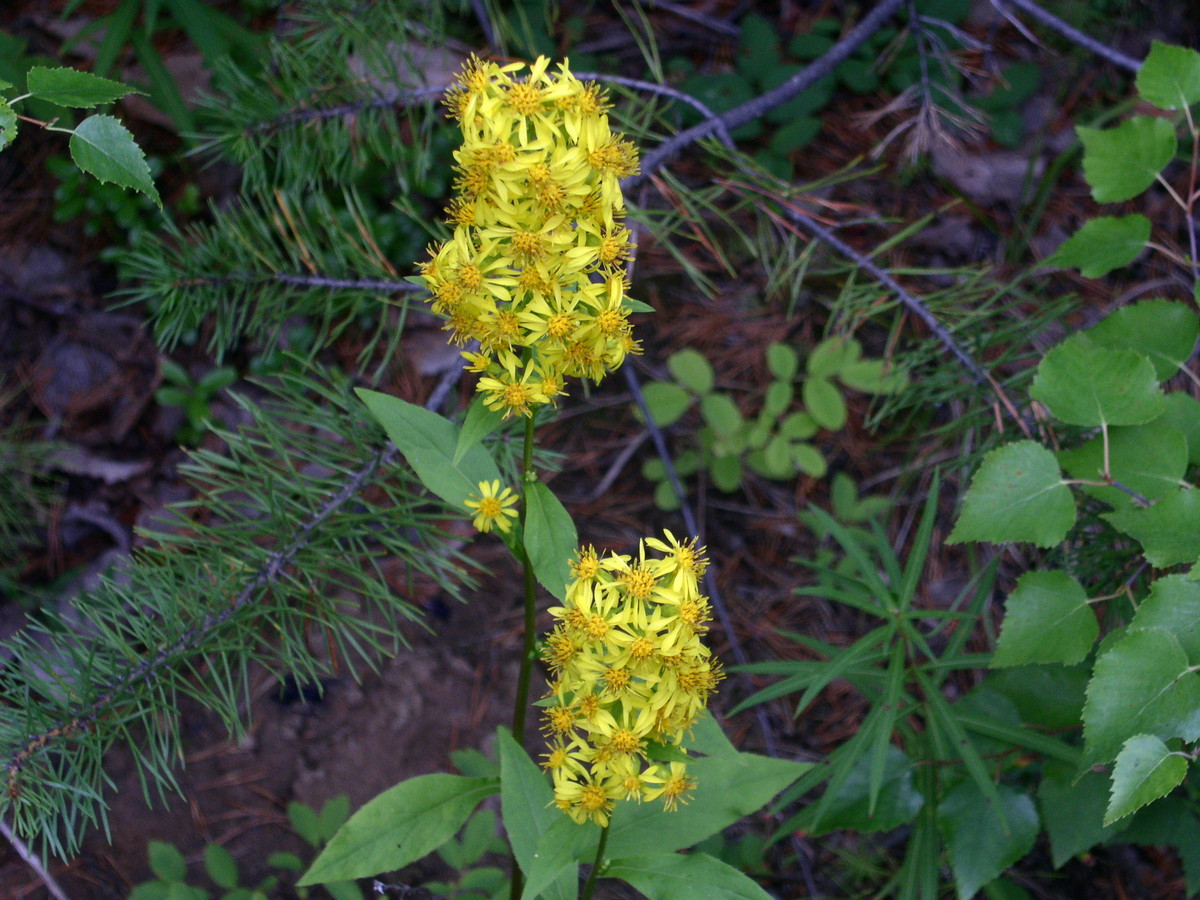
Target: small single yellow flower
x,y
493,506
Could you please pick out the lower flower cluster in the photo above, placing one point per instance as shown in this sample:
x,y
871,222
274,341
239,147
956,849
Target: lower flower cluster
x,y
630,676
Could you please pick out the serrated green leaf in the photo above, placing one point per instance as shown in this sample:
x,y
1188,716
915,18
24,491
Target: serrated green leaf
x,y
399,826
1017,494
1073,812
478,423
1173,605
220,866
666,401
1047,619
8,124
1182,413
428,442
550,538
1170,76
70,87
1149,459
824,403
981,839
1169,531
782,361
1139,685
1119,163
670,876
1084,383
104,148
1103,244
1145,771
1165,331
692,370
166,862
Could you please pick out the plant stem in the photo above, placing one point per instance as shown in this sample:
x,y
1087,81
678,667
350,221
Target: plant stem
x,y
517,883
526,672
590,885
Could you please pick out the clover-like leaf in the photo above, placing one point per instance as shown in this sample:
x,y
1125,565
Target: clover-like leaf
x,y
1145,770
1017,494
1103,244
1084,383
1119,163
1046,619
1140,685
1170,76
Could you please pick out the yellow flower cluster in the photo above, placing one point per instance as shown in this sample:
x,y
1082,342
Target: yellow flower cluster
x,y
630,676
533,271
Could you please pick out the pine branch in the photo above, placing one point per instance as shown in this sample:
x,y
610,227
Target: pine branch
x,y
1068,31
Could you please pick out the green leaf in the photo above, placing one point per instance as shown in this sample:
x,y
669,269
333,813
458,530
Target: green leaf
x,y
1103,244
827,357
721,414
1149,459
1047,619
726,473
70,87
478,423
636,306
782,361
400,826
1170,76
1017,494
1182,413
1049,696
305,821
1073,811
526,799
333,816
550,538
898,802
166,862
638,828
692,370
824,403
1169,531
1163,330
798,426
1140,685
104,148
1169,822
1119,163
1145,771
8,124
285,860
220,865
697,876
428,442
666,401
1084,383
873,376
1173,605
778,399
981,840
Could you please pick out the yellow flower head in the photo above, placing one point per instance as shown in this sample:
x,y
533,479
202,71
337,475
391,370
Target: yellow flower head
x,y
537,232
492,506
630,672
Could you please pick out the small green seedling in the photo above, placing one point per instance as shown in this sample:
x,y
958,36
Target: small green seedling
x,y
194,397
776,443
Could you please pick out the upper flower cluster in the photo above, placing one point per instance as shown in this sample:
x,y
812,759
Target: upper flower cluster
x,y
629,671
533,271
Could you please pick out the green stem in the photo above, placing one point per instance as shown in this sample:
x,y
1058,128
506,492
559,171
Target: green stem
x,y
526,673
590,885
517,883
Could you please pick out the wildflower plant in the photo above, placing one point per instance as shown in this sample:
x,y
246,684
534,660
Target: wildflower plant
x,y
531,284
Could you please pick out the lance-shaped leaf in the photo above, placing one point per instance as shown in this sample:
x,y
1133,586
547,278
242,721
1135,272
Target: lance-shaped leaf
x,y
1170,76
399,827
428,442
1084,383
105,149
1018,494
1169,531
1103,244
1164,331
1139,686
670,876
70,87
550,538
1119,163
983,839
1146,770
1046,619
